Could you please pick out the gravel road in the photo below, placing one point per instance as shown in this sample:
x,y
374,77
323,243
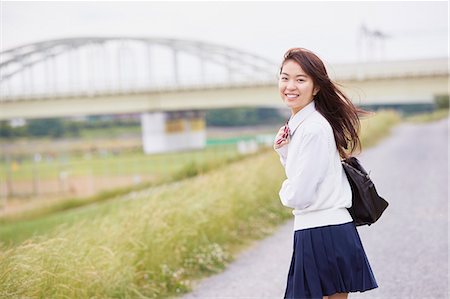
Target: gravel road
x,y
407,247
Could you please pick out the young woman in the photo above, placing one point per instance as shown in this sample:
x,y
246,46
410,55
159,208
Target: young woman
x,y
328,259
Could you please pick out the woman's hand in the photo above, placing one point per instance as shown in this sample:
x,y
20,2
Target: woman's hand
x,y
282,137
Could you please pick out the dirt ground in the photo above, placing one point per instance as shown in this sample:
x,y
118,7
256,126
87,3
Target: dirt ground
x,y
53,190
29,194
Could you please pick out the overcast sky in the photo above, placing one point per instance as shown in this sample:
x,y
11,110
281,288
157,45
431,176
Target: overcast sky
x,y
414,29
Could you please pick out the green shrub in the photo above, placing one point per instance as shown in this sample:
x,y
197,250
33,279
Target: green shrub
x,y
441,101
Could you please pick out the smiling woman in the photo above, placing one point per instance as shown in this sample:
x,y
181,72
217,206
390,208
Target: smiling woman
x,y
328,258
296,88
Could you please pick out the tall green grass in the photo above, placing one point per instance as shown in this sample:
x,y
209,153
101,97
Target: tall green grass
x,y
428,117
152,243
18,227
374,128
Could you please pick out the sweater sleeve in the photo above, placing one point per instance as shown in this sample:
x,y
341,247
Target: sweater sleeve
x,y
298,192
282,152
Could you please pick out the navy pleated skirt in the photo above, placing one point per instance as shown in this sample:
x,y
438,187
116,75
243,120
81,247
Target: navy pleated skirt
x,y
327,260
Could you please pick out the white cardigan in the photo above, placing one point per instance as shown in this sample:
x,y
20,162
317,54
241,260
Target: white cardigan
x,y
316,186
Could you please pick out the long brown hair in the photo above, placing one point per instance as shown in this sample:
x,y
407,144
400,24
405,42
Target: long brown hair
x,y
330,101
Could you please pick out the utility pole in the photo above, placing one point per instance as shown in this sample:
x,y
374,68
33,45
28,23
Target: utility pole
x,y
370,44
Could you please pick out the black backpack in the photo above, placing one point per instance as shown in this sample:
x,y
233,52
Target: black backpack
x,y
367,205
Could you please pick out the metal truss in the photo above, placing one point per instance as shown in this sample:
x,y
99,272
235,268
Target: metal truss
x,y
17,60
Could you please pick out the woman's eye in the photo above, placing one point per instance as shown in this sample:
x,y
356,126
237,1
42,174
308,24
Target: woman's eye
x,y
300,80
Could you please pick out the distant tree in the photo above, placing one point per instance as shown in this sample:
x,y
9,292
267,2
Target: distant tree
x,y
442,101
5,130
53,127
242,116
72,128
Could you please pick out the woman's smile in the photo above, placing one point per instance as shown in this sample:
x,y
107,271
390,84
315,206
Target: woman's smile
x,y
291,96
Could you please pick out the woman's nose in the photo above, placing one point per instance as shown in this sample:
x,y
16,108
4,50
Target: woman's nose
x,y
290,85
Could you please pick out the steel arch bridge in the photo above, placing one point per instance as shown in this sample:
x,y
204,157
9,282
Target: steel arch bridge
x,y
170,83
114,65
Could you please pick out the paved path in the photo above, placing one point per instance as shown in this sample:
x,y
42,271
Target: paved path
x,y
407,248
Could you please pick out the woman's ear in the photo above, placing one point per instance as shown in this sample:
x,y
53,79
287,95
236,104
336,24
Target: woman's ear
x,y
316,90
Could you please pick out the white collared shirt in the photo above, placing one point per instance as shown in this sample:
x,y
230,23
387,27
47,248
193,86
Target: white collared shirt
x,y
316,186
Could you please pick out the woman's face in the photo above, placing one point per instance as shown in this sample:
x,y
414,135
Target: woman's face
x,y
295,86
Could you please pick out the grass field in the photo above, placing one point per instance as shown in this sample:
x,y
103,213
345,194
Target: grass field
x,y
110,163
25,183
45,216
427,117
153,242
31,183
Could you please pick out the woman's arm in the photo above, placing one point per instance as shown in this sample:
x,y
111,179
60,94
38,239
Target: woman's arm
x,y
282,152
280,143
311,162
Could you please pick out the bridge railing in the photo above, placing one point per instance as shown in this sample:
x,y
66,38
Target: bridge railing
x,y
140,86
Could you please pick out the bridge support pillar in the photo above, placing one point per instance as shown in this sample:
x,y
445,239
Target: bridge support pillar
x,y
173,131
